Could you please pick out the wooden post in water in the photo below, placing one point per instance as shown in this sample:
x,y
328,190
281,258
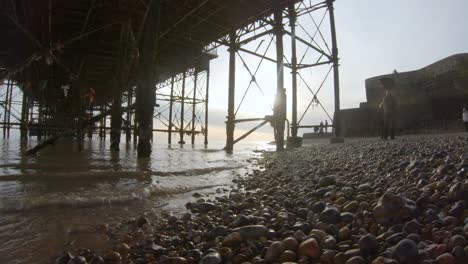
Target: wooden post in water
x,y
182,112
145,92
194,104
280,101
230,125
171,105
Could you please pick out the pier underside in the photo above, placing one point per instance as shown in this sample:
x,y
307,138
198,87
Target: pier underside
x,y
68,66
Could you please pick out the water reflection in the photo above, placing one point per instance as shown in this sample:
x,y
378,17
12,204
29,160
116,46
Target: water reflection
x,y
60,191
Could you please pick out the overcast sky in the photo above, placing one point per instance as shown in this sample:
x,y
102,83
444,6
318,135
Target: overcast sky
x,y
374,37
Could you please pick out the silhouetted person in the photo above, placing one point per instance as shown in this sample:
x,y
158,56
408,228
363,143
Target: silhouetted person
x,y
465,118
388,105
321,128
380,123
326,126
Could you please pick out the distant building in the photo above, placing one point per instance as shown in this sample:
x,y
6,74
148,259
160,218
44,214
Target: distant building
x,y
430,100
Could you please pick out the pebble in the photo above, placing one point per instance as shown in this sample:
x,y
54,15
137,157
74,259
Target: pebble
x,y
330,215
368,245
374,202
252,231
309,248
232,239
446,258
274,251
406,252
211,258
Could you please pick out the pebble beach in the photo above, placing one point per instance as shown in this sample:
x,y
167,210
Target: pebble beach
x,y
365,201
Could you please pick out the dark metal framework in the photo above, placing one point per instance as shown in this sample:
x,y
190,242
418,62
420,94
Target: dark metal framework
x,y
272,29
183,105
123,49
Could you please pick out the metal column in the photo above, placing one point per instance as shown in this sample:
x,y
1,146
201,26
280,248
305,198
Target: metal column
x,y
145,92
280,101
182,110
128,130
206,103
336,78
194,104
292,24
6,107
232,87
24,116
171,104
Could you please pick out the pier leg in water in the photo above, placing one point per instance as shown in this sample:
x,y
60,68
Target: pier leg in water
x,y
280,101
145,93
182,112
24,117
194,105
116,123
230,125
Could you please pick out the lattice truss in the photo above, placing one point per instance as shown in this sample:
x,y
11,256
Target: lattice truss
x,y
256,53
182,105
11,100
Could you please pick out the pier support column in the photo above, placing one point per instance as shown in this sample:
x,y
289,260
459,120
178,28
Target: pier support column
x,y
182,112
336,79
194,105
128,127
292,24
145,92
206,103
171,105
6,108
116,123
280,101
230,125
24,116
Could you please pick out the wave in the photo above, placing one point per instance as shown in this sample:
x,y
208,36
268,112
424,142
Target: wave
x,y
106,175
64,201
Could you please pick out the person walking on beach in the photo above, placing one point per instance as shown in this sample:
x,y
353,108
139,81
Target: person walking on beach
x,y
465,118
326,126
321,128
388,105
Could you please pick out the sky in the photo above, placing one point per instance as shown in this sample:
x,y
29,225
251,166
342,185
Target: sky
x,y
375,37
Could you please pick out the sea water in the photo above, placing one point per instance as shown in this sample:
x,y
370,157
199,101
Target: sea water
x,y
53,201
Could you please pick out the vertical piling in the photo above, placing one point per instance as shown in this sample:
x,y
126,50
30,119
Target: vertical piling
x,y
5,108
280,101
145,92
182,111
171,105
336,79
128,127
40,119
206,103
292,24
194,104
9,108
230,125
116,122
24,116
